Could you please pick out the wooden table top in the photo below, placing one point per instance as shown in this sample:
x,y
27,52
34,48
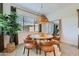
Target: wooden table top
x,y
42,36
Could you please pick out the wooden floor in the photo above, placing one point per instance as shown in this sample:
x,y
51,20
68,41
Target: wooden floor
x,y
66,50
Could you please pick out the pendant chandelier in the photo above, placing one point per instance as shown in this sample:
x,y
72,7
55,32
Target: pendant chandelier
x,y
42,18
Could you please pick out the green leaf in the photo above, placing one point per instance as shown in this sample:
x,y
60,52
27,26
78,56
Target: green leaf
x,y
9,24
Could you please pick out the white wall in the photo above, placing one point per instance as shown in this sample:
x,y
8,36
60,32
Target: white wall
x,y
6,8
69,23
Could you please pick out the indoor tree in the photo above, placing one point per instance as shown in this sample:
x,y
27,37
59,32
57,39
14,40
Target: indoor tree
x,y
9,24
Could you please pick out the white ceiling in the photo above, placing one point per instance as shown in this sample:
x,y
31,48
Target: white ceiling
x,y
48,8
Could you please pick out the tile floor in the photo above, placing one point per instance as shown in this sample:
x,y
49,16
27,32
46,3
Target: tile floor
x,y
66,50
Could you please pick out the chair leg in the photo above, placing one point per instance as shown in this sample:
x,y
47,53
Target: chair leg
x,y
45,53
24,50
54,53
36,50
59,47
28,52
40,51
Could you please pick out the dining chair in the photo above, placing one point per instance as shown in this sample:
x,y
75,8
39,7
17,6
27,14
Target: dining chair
x,y
47,47
56,40
39,45
29,44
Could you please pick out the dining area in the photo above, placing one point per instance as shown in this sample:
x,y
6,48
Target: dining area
x,y
41,43
38,33
45,41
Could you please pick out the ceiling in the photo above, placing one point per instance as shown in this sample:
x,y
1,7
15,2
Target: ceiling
x,y
47,8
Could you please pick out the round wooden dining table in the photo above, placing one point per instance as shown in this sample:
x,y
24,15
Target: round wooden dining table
x,y
41,38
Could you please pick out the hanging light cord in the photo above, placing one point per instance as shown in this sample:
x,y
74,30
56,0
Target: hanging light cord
x,y
41,6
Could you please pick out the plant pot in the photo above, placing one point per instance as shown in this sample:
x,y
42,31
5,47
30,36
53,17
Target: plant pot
x,y
10,47
6,40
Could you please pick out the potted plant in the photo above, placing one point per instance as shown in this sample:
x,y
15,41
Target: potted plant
x,y
9,25
11,28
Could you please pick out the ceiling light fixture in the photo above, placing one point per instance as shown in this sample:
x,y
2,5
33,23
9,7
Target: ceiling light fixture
x,y
42,18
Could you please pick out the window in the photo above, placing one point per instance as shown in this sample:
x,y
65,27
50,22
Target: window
x,y
27,23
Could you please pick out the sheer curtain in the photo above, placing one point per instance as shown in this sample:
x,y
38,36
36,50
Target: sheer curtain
x,y
48,28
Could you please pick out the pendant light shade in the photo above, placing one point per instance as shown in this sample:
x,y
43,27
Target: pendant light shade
x,y
43,19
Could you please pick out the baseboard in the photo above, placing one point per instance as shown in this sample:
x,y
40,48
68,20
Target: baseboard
x,y
71,44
